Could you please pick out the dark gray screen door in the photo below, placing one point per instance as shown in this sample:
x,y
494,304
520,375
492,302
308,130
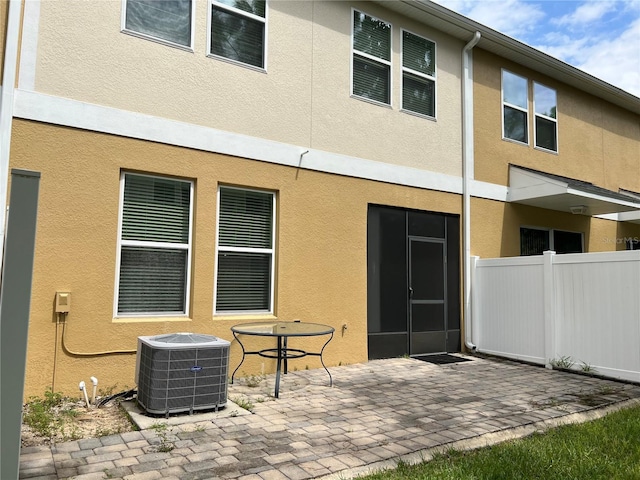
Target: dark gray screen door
x,y
413,282
427,296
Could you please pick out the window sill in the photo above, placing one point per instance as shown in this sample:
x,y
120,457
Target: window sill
x,y
167,43
151,319
245,317
546,150
372,102
239,64
517,142
419,115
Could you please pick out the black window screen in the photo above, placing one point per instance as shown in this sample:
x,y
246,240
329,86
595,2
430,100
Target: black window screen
x,y
533,241
567,242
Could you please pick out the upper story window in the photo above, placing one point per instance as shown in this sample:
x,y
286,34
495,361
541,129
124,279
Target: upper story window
x,y
238,31
168,21
155,246
546,123
371,58
515,107
246,246
418,74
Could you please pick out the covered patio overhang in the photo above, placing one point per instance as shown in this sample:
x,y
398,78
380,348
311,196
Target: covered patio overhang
x,y
553,192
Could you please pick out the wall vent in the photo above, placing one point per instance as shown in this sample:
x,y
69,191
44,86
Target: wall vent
x,y
182,372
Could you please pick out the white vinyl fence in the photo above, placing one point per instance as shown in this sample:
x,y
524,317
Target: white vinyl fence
x,y
584,307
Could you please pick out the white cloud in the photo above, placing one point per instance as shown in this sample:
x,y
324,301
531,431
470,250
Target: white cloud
x,y
511,17
588,12
601,37
614,59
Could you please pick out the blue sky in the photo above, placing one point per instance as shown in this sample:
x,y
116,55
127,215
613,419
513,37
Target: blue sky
x,y
601,37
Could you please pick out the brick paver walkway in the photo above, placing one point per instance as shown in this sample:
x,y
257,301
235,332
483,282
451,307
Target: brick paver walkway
x,y
376,412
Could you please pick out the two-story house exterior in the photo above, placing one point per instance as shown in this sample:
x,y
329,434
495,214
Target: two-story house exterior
x,y
209,162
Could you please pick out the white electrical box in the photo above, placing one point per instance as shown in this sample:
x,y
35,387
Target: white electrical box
x,y
63,302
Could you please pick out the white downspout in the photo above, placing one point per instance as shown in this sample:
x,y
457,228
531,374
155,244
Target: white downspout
x,y
6,108
467,174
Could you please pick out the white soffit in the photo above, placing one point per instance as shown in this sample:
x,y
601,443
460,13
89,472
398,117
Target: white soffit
x,y
542,190
632,217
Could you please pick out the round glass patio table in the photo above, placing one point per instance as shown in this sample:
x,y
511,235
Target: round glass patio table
x,y
282,353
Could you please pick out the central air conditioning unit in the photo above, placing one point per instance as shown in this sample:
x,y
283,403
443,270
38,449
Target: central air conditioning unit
x,y
182,372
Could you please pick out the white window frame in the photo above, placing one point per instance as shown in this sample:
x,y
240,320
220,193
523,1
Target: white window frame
x,y
135,243
229,8
419,74
372,58
535,125
188,48
271,251
515,107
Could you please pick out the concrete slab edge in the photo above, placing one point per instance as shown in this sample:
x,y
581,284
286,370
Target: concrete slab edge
x,y
484,440
144,422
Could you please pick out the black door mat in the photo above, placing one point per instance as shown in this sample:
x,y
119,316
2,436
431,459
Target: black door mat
x,y
441,359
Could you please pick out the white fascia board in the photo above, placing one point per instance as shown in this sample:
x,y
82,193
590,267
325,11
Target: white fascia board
x,y
615,204
609,216
72,113
633,217
534,191
524,185
539,190
490,191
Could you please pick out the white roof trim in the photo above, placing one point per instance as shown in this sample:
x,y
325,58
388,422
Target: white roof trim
x,y
542,191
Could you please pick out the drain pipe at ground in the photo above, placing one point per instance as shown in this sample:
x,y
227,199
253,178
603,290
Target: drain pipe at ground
x,y
83,389
467,172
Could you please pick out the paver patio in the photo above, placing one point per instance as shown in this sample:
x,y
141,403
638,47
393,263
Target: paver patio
x,y
375,414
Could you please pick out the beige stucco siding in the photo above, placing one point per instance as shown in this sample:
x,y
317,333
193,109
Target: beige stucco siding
x,y
597,142
321,256
302,99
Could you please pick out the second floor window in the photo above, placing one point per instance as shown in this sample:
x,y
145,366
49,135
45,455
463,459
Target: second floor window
x,y
238,31
169,21
515,107
418,74
371,58
546,123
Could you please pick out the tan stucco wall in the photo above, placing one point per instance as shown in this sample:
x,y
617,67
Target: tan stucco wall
x,y
303,99
321,249
487,241
597,142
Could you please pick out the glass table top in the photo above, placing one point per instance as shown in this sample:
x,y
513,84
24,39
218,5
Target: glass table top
x,y
282,329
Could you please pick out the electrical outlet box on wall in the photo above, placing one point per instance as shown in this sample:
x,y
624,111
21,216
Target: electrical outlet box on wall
x,y
63,302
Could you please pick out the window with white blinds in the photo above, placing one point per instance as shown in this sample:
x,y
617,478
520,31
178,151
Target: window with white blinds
x,y
238,31
155,246
371,58
170,21
245,263
418,74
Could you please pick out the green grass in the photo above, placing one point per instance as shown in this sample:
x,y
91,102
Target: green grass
x,y
608,448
